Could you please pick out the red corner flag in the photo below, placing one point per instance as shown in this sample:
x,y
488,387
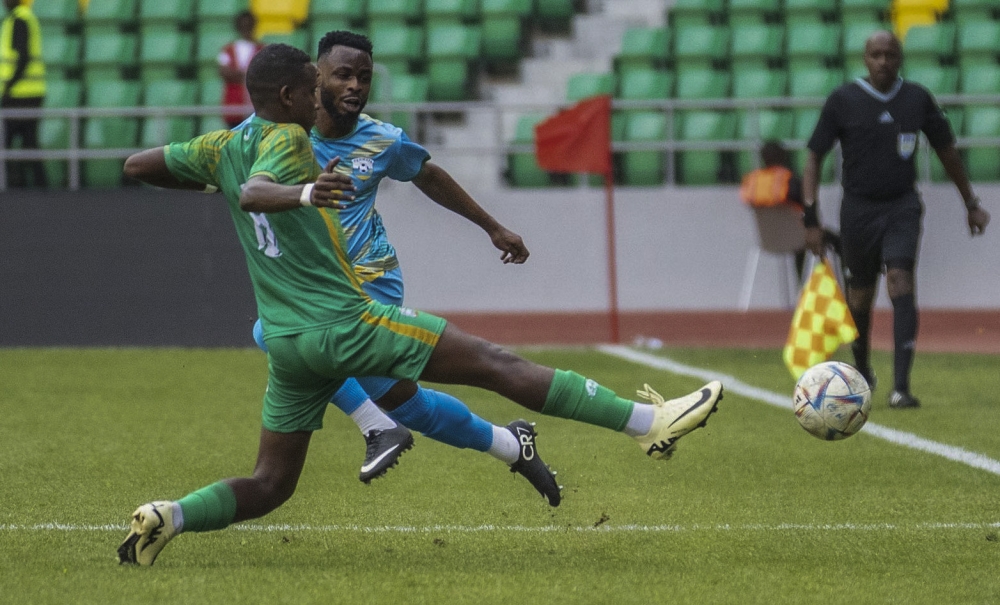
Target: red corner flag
x,y
577,139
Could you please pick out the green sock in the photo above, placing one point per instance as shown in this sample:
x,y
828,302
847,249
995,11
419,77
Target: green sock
x,y
210,508
577,398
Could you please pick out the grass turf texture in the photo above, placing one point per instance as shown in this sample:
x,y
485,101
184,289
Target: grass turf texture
x,y
751,510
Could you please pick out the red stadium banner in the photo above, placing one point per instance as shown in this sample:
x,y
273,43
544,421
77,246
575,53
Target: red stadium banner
x,y
577,139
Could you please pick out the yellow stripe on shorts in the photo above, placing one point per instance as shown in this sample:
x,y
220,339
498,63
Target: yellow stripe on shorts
x,y
415,332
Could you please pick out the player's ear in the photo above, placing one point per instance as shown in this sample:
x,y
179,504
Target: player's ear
x,y
285,96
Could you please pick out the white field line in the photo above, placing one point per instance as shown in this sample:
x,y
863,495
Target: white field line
x,y
475,529
734,385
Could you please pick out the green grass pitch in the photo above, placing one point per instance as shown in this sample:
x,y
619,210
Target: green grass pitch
x,y
751,510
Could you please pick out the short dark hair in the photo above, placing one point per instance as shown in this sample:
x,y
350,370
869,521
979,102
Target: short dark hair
x,y
774,154
273,67
344,38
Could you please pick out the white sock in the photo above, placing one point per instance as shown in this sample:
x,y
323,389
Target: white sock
x,y
177,515
505,446
369,417
641,420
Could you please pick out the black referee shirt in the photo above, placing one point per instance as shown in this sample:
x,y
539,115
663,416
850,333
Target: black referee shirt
x,y
878,135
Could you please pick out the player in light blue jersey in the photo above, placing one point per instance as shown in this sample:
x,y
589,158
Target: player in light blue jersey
x,y
371,150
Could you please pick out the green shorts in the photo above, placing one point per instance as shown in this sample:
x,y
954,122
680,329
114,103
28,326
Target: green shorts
x,y
306,369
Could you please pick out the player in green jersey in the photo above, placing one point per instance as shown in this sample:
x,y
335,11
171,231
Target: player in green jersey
x,y
321,328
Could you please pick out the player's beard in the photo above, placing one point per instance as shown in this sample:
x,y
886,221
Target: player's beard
x,y
341,120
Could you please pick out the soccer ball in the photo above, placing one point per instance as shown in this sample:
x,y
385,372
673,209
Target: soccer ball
x,y
832,400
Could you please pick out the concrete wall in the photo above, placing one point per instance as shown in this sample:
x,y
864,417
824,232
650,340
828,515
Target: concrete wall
x,y
147,267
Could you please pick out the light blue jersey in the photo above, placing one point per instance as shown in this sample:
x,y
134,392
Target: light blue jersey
x,y
374,150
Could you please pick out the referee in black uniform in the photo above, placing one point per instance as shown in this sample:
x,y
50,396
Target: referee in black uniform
x,y
877,121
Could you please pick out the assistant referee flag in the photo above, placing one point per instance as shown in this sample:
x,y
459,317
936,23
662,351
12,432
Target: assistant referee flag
x,y
577,139
822,322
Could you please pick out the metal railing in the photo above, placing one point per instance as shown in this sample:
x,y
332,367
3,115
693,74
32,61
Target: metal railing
x,y
494,144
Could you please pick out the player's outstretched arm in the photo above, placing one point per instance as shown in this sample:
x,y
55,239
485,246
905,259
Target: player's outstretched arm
x,y
261,194
953,167
439,186
150,167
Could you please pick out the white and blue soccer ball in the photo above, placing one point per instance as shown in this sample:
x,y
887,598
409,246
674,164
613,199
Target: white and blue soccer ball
x,y
832,400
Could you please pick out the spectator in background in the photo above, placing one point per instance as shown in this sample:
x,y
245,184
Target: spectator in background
x,y
233,61
22,84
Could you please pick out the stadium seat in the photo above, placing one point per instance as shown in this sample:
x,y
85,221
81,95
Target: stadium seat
x,y
643,168
163,51
210,37
107,52
643,48
756,45
451,11
210,93
395,11
979,80
522,168
398,45
797,12
122,13
109,132
353,12
813,45
452,49
53,133
814,82
977,42
554,14
503,24
637,84
216,12
983,162
403,88
955,116
700,83
804,122
299,38
759,126
757,83
173,12
863,11
700,45
703,167
169,93
939,80
743,12
584,85
61,54
57,12
965,11
930,44
696,12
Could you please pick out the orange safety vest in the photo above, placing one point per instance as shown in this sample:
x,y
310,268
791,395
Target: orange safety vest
x,y
766,186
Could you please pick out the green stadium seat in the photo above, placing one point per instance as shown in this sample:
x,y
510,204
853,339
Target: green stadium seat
x,y
398,45
210,37
703,167
119,12
644,168
587,84
804,120
637,84
452,49
814,81
106,53
219,11
700,45
522,168
979,80
983,163
701,83
353,12
977,42
174,12
452,11
756,45
743,12
759,83
796,12
643,48
939,80
760,126
56,12
696,12
163,51
210,94
813,45
169,93
403,88
554,14
397,11
53,133
955,116
965,11
503,39
299,38
61,55
863,11
109,132
507,8
930,44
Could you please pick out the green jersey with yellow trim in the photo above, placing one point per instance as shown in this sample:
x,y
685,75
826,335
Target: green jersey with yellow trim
x,y
298,263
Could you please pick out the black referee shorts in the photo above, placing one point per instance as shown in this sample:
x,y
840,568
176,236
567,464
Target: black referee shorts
x,y
876,233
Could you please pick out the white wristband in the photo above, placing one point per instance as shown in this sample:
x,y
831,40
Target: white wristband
x,y
210,189
306,198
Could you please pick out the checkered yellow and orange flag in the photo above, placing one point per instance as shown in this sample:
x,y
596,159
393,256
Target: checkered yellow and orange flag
x,y
821,322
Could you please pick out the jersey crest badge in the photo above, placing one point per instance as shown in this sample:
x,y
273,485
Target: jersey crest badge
x,y
363,166
907,144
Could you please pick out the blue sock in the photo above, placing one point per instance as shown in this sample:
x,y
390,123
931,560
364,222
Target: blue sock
x,y
349,396
446,419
